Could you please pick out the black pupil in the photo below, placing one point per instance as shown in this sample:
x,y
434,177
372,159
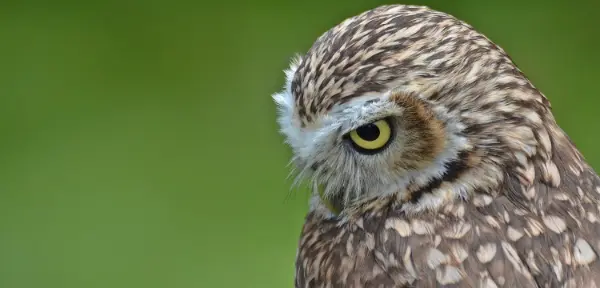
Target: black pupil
x,y
368,132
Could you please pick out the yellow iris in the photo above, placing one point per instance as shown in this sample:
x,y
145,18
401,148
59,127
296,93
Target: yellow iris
x,y
372,136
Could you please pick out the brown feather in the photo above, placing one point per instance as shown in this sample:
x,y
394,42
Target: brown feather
x,y
529,216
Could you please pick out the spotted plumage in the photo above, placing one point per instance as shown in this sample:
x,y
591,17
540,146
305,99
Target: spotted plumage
x,y
476,186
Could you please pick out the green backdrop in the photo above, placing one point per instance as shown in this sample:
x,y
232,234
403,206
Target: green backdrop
x,y
139,146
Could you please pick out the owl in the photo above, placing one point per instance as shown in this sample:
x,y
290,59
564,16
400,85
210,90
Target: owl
x,y
433,162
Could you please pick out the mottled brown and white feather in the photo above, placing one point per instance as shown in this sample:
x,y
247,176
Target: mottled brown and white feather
x,y
481,187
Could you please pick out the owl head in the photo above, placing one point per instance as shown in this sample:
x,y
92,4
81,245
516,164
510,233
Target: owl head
x,y
409,103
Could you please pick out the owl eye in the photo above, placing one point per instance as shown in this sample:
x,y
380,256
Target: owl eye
x,y
372,137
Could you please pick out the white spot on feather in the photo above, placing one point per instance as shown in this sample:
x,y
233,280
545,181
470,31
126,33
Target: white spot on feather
x,y
513,234
449,275
457,230
435,257
401,226
486,252
583,254
421,227
555,223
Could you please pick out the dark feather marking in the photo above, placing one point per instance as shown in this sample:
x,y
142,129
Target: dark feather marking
x,y
453,171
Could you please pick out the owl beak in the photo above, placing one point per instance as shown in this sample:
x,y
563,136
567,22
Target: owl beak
x,y
328,203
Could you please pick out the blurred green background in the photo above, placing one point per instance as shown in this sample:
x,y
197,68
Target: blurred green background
x,y
139,146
